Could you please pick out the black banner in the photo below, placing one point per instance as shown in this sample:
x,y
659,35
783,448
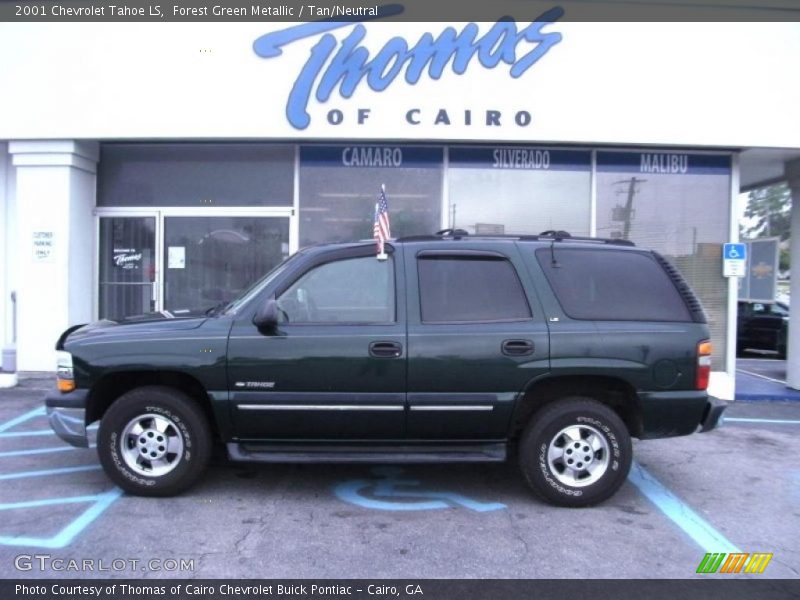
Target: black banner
x,y
712,588
407,10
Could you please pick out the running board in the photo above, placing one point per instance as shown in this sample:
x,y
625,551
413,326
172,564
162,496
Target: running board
x,y
340,453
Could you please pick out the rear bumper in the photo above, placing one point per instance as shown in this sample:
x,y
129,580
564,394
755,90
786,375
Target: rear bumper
x,y
669,414
713,413
67,416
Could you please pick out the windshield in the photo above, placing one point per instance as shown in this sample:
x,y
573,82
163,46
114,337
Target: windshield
x,y
256,287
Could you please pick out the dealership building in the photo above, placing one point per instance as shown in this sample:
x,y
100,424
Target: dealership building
x,y
164,167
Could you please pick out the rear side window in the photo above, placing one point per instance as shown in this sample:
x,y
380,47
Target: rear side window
x,y
611,285
470,289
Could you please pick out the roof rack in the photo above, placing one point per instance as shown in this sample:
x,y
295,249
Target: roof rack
x,y
550,235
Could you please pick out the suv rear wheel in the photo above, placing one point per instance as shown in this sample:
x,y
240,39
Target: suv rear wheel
x,y
154,441
575,452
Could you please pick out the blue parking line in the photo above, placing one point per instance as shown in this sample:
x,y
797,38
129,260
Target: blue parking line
x,y
49,502
36,412
36,451
46,472
36,433
700,530
66,535
776,421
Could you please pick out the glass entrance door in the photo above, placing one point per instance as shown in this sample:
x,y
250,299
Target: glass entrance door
x,y
127,274
208,260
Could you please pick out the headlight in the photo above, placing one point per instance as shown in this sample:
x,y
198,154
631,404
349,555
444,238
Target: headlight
x,y
64,375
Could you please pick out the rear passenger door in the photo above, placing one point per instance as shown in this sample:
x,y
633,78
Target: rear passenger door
x,y
476,336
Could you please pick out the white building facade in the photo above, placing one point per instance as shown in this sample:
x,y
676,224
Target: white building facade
x,y
166,166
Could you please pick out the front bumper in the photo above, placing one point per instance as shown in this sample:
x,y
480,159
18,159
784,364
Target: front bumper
x,y
712,414
67,416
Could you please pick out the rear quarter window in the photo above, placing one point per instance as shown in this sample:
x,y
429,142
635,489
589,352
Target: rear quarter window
x,y
611,285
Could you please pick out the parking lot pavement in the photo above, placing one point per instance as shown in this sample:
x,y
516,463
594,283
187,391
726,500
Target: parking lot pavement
x,y
763,378
734,489
763,365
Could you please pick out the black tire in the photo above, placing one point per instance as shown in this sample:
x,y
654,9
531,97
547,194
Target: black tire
x,y
188,424
590,417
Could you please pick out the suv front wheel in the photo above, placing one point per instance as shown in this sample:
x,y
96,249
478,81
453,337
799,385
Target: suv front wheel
x,y
575,452
154,441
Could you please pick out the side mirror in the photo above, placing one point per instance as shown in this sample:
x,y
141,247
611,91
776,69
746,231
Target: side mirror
x,y
267,316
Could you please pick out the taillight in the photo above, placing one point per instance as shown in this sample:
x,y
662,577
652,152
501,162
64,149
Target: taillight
x,y
703,365
65,377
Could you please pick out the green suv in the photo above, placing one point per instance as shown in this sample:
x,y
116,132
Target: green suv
x,y
553,349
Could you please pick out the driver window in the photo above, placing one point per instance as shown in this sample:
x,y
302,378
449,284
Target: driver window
x,y
351,291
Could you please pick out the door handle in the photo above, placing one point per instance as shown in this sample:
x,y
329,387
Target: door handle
x,y
517,347
385,349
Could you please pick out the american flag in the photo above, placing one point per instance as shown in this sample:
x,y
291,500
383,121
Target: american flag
x,y
380,230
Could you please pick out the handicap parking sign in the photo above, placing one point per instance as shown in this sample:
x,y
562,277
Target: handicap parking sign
x,y
734,263
735,252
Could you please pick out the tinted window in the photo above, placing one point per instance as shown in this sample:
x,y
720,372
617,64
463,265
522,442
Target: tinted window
x,y
355,290
458,289
612,285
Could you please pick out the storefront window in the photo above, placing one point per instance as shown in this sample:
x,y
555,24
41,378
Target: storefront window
x,y
211,260
203,175
679,205
496,190
339,186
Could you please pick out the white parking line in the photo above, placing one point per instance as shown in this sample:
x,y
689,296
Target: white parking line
x,y
760,376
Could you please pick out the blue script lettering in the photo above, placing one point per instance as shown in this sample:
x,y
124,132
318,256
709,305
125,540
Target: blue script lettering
x,y
328,67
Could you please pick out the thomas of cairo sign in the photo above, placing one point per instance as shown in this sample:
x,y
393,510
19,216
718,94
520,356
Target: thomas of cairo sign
x,y
342,65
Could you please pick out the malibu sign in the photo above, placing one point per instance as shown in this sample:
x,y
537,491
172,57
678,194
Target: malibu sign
x,y
345,64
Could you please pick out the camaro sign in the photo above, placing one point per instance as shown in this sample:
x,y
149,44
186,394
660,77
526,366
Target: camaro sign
x,y
338,66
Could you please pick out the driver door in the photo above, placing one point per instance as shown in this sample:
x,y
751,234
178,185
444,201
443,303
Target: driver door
x,y
335,368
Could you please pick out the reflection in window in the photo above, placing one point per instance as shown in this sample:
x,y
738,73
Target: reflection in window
x,y
519,190
211,260
353,291
339,186
678,205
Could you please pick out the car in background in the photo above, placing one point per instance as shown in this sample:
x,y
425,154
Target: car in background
x,y
762,326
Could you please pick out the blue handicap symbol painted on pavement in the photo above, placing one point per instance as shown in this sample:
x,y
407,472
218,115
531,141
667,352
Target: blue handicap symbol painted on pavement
x,y
96,503
383,494
735,251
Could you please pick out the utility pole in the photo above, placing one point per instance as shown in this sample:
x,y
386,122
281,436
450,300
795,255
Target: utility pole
x,y
627,211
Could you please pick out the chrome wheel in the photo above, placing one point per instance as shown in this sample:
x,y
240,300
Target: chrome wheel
x,y
578,455
151,445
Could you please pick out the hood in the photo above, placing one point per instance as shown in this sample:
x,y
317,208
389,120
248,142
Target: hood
x,y
156,322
